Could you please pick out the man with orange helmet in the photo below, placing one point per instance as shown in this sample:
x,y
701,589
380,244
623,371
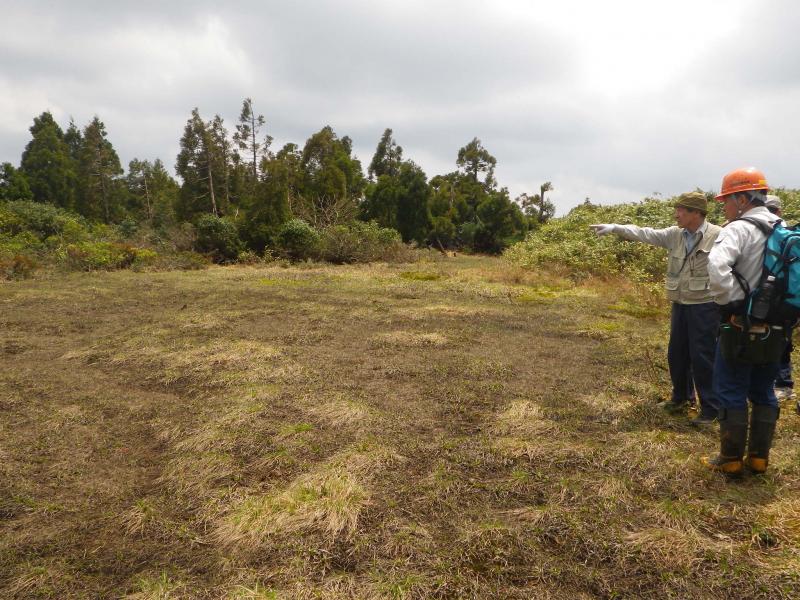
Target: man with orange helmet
x,y
734,265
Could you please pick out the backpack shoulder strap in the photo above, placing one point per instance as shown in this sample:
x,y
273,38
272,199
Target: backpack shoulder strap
x,y
765,228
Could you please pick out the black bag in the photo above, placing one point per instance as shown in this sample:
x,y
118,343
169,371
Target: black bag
x,y
757,344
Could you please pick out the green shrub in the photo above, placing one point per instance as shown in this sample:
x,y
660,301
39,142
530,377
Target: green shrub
x,y
24,242
144,258
43,220
73,231
218,238
359,242
298,240
568,242
10,223
128,227
248,257
91,256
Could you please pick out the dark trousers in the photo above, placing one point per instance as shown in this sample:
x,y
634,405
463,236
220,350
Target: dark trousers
x,y
784,379
692,342
735,383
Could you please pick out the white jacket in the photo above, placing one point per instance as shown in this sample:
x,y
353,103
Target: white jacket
x,y
740,245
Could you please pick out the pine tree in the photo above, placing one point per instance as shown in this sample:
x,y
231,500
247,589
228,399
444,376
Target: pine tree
x,y
399,199
152,191
99,170
333,182
204,164
247,137
74,140
387,158
13,184
47,164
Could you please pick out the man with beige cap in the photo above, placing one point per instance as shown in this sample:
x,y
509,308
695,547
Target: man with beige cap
x,y
695,316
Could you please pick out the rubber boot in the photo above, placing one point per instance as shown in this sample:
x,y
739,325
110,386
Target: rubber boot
x,y
732,440
762,429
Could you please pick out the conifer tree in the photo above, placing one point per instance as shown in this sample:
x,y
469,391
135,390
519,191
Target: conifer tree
x,y
13,184
248,140
47,164
387,158
152,191
74,140
204,165
100,191
333,182
399,198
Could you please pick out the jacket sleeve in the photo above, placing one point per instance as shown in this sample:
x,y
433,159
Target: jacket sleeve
x,y
724,287
656,237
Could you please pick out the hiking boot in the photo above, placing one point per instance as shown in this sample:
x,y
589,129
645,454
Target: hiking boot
x,y
762,429
732,440
702,421
673,408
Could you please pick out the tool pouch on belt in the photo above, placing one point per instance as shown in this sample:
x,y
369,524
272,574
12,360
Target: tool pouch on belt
x,y
754,344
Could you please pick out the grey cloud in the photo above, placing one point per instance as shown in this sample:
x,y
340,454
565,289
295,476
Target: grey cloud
x,y
437,73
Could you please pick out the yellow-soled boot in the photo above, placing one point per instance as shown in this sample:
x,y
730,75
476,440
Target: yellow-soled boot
x,y
732,440
762,429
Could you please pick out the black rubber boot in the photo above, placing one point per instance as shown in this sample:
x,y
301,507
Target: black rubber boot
x,y
732,440
762,429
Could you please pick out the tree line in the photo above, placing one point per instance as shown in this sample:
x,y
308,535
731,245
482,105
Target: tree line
x,y
237,178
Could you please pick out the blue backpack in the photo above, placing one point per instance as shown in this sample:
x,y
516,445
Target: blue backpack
x,y
778,293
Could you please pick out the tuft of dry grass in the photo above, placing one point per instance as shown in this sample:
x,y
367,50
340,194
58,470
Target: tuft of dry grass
x,y
327,501
410,339
158,587
345,412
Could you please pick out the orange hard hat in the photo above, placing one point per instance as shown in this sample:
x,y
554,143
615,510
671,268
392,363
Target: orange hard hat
x,y
742,180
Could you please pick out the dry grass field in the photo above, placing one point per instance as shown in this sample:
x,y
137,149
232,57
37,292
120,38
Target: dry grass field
x,y
449,429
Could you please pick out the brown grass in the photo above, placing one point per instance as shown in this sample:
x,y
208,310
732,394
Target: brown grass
x,y
452,428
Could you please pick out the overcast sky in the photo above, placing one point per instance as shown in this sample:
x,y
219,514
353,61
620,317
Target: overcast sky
x,y
612,100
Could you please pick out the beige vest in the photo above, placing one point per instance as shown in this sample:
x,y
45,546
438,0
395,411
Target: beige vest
x,y
687,276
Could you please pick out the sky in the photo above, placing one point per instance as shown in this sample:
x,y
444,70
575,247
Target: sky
x,y
614,100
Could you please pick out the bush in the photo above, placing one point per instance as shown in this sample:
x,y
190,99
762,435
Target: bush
x,y
359,242
128,228
182,237
298,240
91,256
43,220
23,242
248,257
144,258
568,242
217,237
17,266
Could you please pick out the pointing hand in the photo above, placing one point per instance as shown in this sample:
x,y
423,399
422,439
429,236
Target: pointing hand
x,y
603,228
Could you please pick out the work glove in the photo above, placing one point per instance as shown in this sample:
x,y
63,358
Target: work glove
x,y
603,228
